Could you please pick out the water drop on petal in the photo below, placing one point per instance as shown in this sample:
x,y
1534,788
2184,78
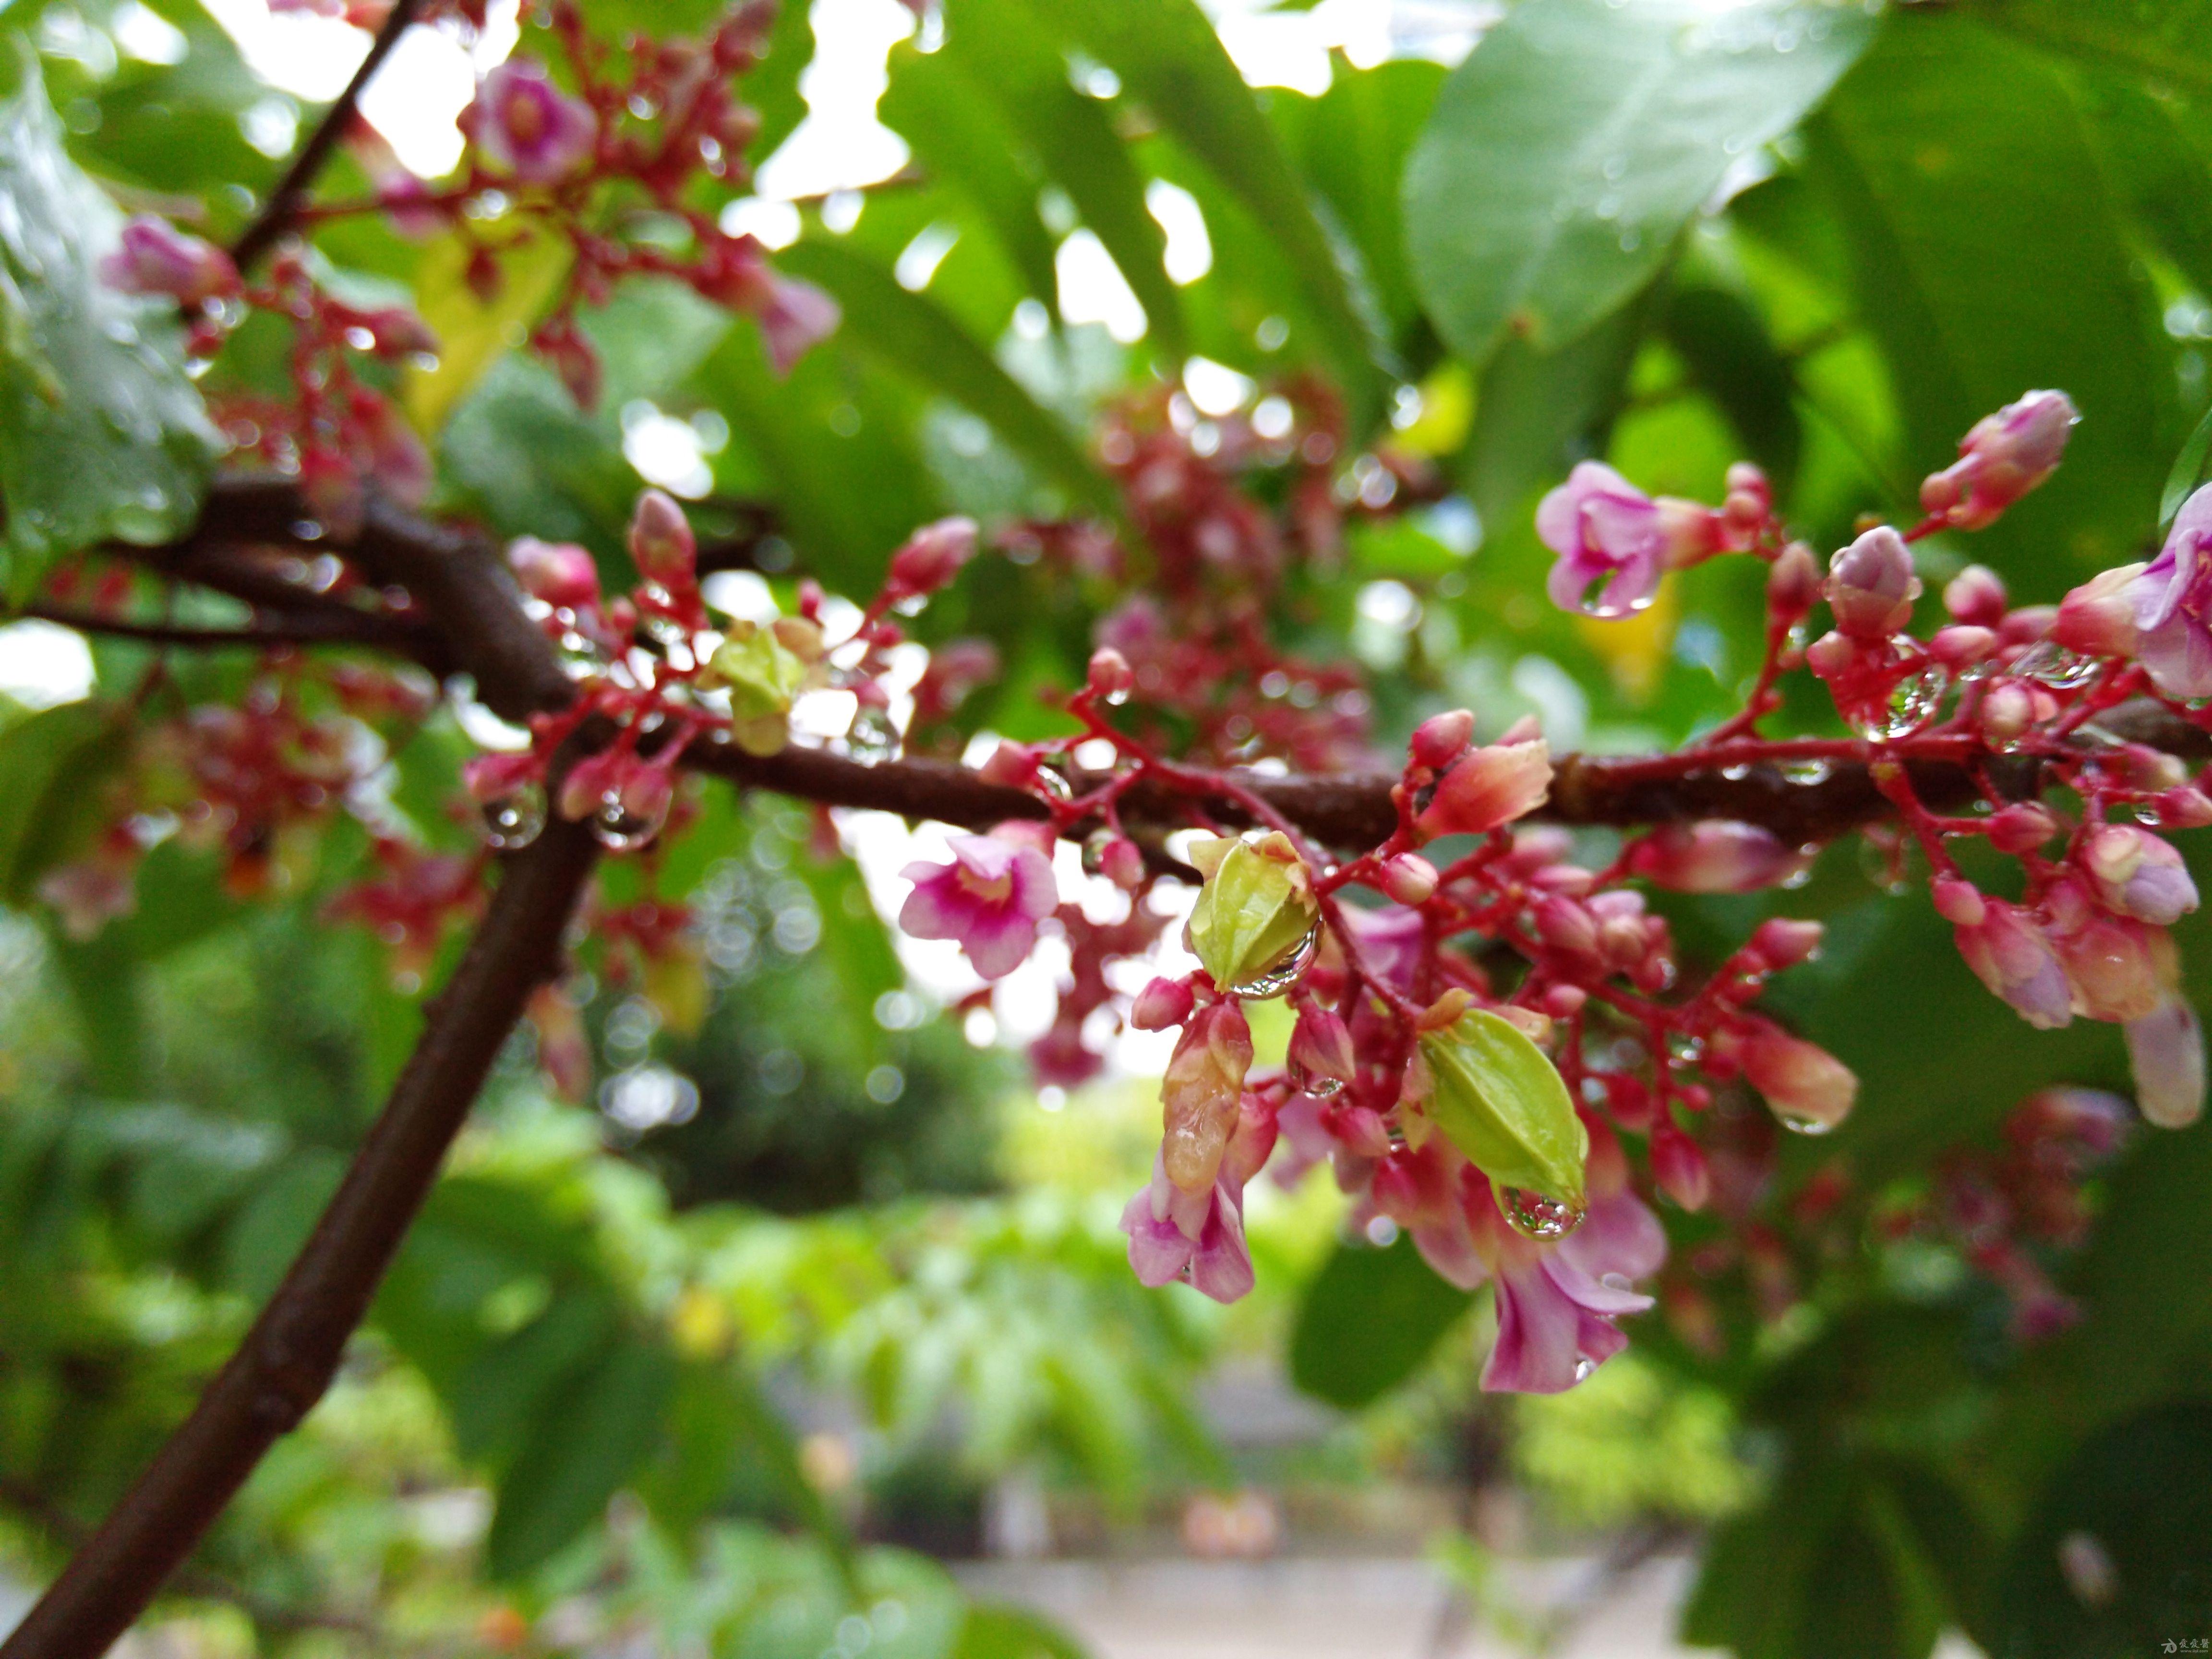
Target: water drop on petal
x,y
1535,1216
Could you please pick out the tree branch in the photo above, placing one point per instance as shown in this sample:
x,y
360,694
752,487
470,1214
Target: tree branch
x,y
288,1357
313,628
277,214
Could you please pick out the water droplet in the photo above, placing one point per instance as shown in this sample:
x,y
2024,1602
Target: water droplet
x,y
1583,1367
1913,699
2054,666
1535,1215
1807,771
513,820
1615,167
1631,239
1803,1126
1736,773
871,737
1685,1050
621,831
1317,1085
1284,974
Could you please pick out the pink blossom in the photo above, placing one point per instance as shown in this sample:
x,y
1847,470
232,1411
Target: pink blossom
x,y
1198,1237
2138,874
2120,968
155,256
931,557
2006,455
2173,602
2008,952
525,125
1805,1084
1201,1095
1716,855
1162,1003
1976,595
561,573
1605,529
1490,786
2165,1048
794,316
1320,1047
1442,738
1871,585
990,898
661,542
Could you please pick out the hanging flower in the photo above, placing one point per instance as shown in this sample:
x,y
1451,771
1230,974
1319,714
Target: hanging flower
x,y
155,258
1606,530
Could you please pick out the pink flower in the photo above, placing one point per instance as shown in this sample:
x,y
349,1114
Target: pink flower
x,y
561,573
155,256
660,541
1808,1087
2005,456
1605,529
930,558
794,316
1198,1237
1716,855
2165,1048
1200,1096
1490,786
526,126
2120,968
2007,952
2172,600
1871,586
990,898
2138,874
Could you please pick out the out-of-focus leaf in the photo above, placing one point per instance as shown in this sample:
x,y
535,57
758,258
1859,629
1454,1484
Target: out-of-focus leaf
x,y
588,1440
2158,173
1724,341
2170,39
51,766
1167,53
101,435
772,90
1961,174
497,1400
474,334
914,333
993,1632
1368,1321
2130,1516
271,1225
963,135
1537,413
1001,48
1577,139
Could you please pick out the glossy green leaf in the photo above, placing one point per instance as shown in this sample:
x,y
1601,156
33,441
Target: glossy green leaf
x,y
1537,412
101,435
1569,149
2188,471
2168,40
1725,343
993,1632
1963,178
1499,1099
584,1445
52,765
1368,1321
913,333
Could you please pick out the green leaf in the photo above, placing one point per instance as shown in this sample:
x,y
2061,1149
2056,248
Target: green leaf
x,y
1000,49
474,333
772,90
51,766
1499,1099
586,1443
1370,1319
994,1632
1724,341
1536,413
2168,40
498,1398
915,334
1169,55
2188,471
101,435
271,1226
1988,262
1569,149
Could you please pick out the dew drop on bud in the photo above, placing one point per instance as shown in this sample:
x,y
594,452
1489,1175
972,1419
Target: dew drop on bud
x,y
621,831
1317,1085
514,820
1535,1216
1803,1126
871,737
1284,972
1807,771
2048,663
1911,703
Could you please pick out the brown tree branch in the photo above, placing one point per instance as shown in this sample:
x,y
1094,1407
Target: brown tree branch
x,y
278,213
313,628
288,1357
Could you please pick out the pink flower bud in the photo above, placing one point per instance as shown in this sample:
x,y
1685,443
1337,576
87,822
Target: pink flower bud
x,y
2120,968
1567,926
794,317
561,573
931,557
1679,1167
1808,1087
1110,675
1442,738
1013,764
526,126
1782,942
1161,1006
1689,532
1121,861
660,541
2005,456
155,258
1960,645
590,781
1563,1001
2008,953
1871,585
1716,855
1794,583
1362,1130
2022,828
2138,874
2165,1048
2186,808
1410,879
1202,1091
1321,1048
2006,714
1489,787
1976,595
1832,655
1395,1189
2098,617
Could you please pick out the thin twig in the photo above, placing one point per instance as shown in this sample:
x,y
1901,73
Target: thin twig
x,y
314,628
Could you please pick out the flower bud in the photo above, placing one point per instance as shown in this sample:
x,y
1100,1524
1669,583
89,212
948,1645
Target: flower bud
x,y
2098,617
1960,645
763,674
1716,855
1567,926
932,556
2165,1048
1489,787
1410,879
1442,738
2022,828
660,541
2006,714
2008,952
1255,912
1321,1048
1783,942
2120,968
1810,1089
1871,585
1502,1103
1976,595
1689,533
1679,1167
1395,1189
1794,583
561,573
1162,1003
2185,808
1013,764
2006,455
1121,861
2138,874
155,258
1202,1091
1110,676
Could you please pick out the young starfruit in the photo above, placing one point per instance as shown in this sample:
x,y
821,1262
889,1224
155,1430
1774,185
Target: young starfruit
x,y
1254,914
